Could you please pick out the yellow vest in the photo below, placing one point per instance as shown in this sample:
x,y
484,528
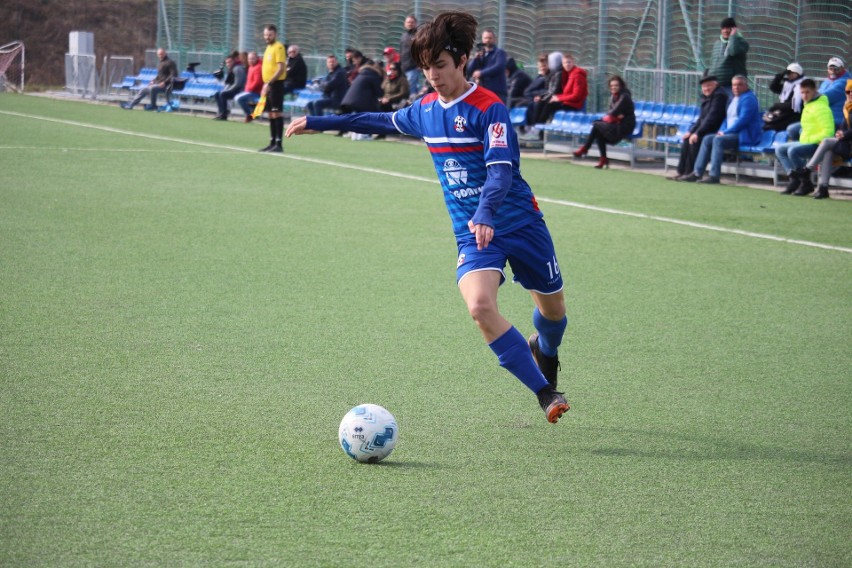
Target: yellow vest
x,y
274,55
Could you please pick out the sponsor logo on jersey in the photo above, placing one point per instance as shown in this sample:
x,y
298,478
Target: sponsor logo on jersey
x,y
456,174
461,260
497,135
459,123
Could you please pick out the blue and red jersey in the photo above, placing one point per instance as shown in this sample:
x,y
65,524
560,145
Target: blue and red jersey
x,y
465,137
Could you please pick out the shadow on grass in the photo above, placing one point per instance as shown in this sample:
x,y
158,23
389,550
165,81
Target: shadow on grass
x,y
683,447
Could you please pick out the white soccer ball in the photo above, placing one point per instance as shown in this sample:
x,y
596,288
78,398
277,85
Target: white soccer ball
x,y
368,433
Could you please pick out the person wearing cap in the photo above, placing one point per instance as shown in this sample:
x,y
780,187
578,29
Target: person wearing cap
x,y
391,56
817,124
741,127
488,67
712,114
839,145
788,109
729,55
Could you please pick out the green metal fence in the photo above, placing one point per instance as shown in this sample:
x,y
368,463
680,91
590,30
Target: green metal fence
x,y
669,39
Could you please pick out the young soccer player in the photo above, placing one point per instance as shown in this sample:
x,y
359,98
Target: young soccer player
x,y
494,213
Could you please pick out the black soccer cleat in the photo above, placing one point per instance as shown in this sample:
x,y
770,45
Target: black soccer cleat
x,y
549,366
553,403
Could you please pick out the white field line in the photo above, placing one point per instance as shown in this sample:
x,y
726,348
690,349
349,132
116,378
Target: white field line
x,y
561,202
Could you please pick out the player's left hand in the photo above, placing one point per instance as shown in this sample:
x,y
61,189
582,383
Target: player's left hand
x,y
483,233
298,127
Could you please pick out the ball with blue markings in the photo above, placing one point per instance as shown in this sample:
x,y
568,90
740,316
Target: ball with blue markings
x,y
368,433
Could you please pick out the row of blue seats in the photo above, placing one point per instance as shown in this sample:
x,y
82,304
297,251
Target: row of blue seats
x,y
646,112
202,85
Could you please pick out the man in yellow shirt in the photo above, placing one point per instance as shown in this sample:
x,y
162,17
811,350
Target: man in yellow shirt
x,y
274,71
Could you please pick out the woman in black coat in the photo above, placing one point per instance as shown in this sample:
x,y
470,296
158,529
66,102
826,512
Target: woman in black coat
x,y
616,125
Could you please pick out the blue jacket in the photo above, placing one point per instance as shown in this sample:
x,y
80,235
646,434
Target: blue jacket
x,y
492,71
835,91
749,122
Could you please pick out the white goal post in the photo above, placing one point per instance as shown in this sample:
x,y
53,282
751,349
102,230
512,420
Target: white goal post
x,y
12,67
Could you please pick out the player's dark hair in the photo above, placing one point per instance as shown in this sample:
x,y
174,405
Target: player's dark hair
x,y
808,84
453,32
271,27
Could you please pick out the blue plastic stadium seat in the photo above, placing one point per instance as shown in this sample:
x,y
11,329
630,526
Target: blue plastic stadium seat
x,y
766,143
518,116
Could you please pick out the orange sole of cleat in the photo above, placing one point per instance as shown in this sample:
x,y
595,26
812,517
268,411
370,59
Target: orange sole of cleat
x,y
556,412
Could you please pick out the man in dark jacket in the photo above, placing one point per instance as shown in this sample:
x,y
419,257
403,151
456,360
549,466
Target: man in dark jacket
x,y
162,83
409,67
729,55
365,91
713,109
488,66
333,88
235,82
297,71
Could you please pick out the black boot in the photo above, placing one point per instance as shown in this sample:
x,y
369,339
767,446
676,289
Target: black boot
x,y
822,192
807,185
793,184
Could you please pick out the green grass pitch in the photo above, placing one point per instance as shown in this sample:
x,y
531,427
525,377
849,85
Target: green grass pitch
x,y
184,322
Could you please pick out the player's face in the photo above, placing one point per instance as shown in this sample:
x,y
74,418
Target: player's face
x,y
269,36
446,78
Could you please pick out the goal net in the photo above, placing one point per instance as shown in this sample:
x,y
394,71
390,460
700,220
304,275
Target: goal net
x,y
12,67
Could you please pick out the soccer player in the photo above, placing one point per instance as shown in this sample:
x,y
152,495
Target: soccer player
x,y
274,71
494,212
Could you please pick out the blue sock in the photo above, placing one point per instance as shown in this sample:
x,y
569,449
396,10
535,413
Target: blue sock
x,y
514,355
549,332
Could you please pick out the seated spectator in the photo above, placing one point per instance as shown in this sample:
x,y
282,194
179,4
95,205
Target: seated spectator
x,y
355,59
162,83
254,83
839,146
742,127
235,83
391,56
365,91
537,86
333,87
395,89
516,82
297,70
710,119
817,124
788,109
617,124
832,86
570,95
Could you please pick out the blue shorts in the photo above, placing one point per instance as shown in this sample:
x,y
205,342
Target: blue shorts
x,y
529,251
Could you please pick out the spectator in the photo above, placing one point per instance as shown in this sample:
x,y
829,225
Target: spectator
x,y
571,96
391,56
553,83
516,83
538,86
407,63
297,70
166,74
333,87
365,91
713,109
274,72
254,84
616,125
355,59
742,127
488,67
817,124
788,109
395,89
838,146
235,82
729,55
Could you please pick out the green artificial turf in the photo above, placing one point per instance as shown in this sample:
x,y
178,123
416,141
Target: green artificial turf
x,y
182,327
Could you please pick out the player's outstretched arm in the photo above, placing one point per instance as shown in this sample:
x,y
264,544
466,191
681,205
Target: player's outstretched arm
x,y
298,126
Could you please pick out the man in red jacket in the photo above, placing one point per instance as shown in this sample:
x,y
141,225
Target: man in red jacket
x,y
254,83
567,91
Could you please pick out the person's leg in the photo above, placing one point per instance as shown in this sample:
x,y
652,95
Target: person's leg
x,y
824,157
413,76
721,144
221,104
689,153
800,154
781,151
794,131
703,157
584,149
143,92
155,92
